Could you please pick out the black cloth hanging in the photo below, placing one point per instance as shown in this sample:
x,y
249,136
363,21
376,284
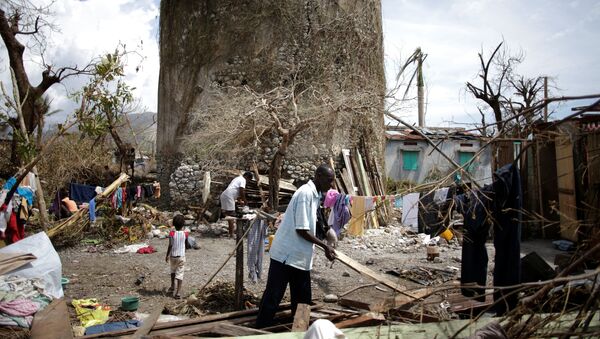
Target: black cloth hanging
x,y
501,204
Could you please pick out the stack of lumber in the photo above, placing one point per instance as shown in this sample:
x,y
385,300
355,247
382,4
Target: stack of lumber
x,y
361,176
241,323
253,192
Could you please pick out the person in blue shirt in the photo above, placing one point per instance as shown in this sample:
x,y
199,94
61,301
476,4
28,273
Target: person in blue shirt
x,y
292,248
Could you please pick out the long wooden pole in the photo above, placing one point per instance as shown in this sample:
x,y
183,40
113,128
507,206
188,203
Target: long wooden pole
x,y
239,242
239,264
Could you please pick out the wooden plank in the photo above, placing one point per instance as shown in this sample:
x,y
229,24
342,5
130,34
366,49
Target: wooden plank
x,y
186,322
359,304
356,176
565,171
593,157
347,182
340,185
302,318
52,322
206,188
367,187
353,189
366,319
283,184
383,305
148,323
231,330
239,262
346,260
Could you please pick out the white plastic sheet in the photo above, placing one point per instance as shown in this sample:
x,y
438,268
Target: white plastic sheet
x,y
410,211
46,267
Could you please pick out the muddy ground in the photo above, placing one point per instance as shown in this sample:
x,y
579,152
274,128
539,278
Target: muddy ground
x,y
108,276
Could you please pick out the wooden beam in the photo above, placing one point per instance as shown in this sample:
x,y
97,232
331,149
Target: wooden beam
x,y
52,322
231,330
148,323
385,304
302,318
346,260
367,319
239,262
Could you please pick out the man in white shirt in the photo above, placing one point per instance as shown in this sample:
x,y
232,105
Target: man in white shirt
x,y
235,191
292,249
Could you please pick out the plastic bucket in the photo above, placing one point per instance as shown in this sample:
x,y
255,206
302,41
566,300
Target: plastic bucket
x,y
64,282
130,303
447,234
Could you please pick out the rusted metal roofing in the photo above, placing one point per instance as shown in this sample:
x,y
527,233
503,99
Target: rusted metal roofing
x,y
435,133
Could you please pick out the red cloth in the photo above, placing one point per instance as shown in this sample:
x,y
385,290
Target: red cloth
x,y
15,229
146,250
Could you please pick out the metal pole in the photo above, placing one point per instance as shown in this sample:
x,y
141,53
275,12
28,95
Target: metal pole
x,y
420,90
546,98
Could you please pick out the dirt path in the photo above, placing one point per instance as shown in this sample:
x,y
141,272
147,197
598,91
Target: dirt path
x,y
109,276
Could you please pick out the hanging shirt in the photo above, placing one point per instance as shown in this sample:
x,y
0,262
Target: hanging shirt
x,y
440,195
410,211
356,225
369,203
256,248
341,213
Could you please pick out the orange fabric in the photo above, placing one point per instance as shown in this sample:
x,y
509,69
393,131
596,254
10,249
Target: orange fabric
x,y
71,204
356,225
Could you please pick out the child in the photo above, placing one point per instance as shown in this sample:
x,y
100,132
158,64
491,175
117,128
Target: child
x,y
176,254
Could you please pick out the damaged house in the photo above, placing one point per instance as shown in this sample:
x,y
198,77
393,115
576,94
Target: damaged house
x,y
410,157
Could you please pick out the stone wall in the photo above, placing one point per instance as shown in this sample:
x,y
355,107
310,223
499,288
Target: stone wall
x,y
335,46
186,183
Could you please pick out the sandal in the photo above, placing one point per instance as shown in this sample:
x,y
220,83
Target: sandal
x,y
177,296
170,290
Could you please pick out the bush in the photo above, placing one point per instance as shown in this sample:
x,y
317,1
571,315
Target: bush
x,y
73,159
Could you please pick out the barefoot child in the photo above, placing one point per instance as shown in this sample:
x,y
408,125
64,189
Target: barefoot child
x,y
176,254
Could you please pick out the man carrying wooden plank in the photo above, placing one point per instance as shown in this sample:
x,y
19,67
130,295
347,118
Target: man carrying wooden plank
x,y
292,248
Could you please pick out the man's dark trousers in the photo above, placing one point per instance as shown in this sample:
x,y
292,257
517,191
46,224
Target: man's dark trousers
x,y
279,277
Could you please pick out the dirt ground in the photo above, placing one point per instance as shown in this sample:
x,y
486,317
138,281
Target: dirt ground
x,y
108,276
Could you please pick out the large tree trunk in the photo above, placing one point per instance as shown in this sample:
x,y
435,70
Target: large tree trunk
x,y
205,43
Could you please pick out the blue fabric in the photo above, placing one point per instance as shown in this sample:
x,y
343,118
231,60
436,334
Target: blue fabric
x,y
341,213
26,193
563,245
82,193
108,327
288,246
398,201
119,197
9,183
92,210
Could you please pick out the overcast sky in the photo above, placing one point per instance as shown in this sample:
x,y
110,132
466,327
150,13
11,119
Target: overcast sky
x,y
558,37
